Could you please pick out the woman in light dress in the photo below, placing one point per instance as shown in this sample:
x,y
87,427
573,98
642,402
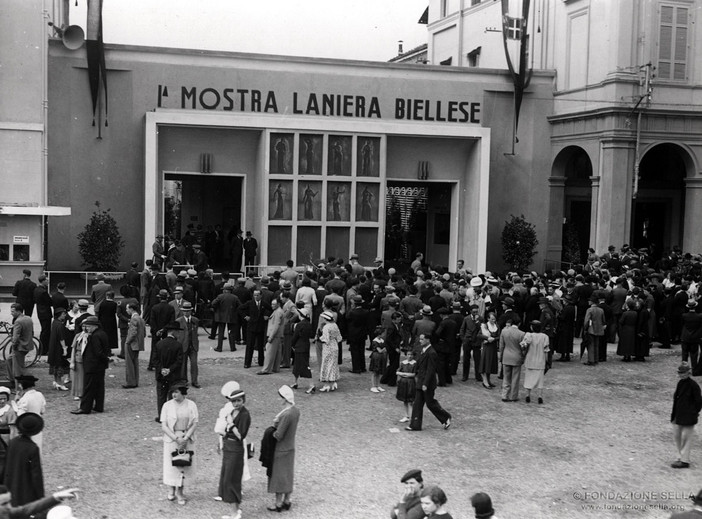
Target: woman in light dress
x,y
330,339
537,346
179,418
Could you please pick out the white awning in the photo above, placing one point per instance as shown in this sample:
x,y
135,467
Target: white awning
x,y
42,210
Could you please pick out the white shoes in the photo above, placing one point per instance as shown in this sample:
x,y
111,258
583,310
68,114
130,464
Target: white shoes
x,y
405,419
375,390
381,389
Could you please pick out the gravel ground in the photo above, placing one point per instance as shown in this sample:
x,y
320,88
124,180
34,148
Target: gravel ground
x,y
600,446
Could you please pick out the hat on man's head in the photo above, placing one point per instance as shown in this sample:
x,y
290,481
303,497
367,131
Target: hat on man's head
x,y
456,305
183,274
492,279
163,294
357,298
232,390
691,303
27,381
415,474
683,368
192,272
187,305
389,288
248,233
178,290
83,303
172,326
476,282
426,310
100,276
508,301
328,316
91,321
265,280
29,424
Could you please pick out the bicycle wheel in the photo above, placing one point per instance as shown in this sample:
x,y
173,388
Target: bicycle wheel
x,y
4,346
33,354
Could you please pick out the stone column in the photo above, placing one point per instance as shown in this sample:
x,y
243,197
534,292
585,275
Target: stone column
x,y
595,184
613,216
556,208
692,238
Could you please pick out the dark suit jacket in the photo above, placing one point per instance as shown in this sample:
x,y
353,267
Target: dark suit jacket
x,y
96,353
24,292
426,368
226,308
469,330
42,300
169,355
188,340
23,473
357,325
257,323
692,327
687,402
58,300
250,247
161,314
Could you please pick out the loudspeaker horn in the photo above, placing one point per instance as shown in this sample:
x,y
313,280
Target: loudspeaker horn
x,y
73,37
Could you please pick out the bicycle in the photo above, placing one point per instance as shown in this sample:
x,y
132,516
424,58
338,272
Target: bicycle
x,y
32,355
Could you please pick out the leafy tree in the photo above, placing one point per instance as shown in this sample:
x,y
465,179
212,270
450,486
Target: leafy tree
x,y
100,244
519,243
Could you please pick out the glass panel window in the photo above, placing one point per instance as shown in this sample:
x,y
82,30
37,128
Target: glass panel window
x,y
279,244
308,245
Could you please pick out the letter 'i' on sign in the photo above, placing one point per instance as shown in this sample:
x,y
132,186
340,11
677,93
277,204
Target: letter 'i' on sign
x,y
423,170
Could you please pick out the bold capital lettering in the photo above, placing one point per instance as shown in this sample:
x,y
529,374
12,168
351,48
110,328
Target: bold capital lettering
x,y
203,101
188,94
255,100
271,104
312,105
296,110
475,113
242,99
374,108
399,108
230,102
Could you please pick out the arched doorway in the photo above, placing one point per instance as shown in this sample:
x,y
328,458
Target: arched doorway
x,y
658,211
574,164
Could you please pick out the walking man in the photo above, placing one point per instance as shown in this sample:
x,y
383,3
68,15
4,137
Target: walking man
x,y
22,338
687,404
426,386
511,357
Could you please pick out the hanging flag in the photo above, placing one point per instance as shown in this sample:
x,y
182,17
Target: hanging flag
x,y
96,58
515,16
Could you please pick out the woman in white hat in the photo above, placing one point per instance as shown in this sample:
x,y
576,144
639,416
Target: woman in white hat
x,y
8,416
280,481
232,426
330,339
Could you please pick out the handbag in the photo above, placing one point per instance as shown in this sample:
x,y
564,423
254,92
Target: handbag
x,y
182,458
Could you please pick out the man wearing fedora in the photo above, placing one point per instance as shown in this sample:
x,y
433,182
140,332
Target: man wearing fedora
x,y
426,386
168,363
96,354
595,325
250,250
410,506
687,404
161,314
187,336
22,341
510,355
695,512
468,332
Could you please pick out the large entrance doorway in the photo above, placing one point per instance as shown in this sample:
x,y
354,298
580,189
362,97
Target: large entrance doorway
x,y
659,207
209,207
418,219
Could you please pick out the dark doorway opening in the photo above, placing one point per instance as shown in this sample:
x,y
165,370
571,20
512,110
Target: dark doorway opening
x,y
650,223
418,219
208,208
576,231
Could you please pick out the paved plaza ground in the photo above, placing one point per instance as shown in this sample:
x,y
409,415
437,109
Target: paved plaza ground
x,y
600,446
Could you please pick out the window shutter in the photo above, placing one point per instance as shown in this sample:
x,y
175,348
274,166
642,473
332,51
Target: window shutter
x,y
672,43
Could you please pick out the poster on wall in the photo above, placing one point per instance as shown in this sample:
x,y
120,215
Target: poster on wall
x,y
368,157
367,202
281,153
339,155
280,200
310,155
309,205
338,201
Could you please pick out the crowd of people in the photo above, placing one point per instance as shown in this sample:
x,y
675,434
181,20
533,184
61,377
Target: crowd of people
x,y
412,330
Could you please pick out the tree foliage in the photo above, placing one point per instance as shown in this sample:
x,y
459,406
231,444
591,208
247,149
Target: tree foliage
x,y
519,243
100,244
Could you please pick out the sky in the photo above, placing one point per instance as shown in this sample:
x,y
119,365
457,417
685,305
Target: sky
x,y
351,29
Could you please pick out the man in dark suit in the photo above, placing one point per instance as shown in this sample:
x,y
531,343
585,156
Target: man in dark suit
x,y
133,276
42,300
187,336
161,314
107,315
168,364
393,343
226,313
690,336
255,313
469,331
357,330
237,250
426,386
250,250
22,338
95,361
58,299
687,404
24,292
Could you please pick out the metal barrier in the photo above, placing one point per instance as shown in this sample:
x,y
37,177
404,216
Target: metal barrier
x,y
81,282
556,265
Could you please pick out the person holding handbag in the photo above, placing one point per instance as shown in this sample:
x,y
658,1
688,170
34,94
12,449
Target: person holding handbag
x,y
232,426
179,418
